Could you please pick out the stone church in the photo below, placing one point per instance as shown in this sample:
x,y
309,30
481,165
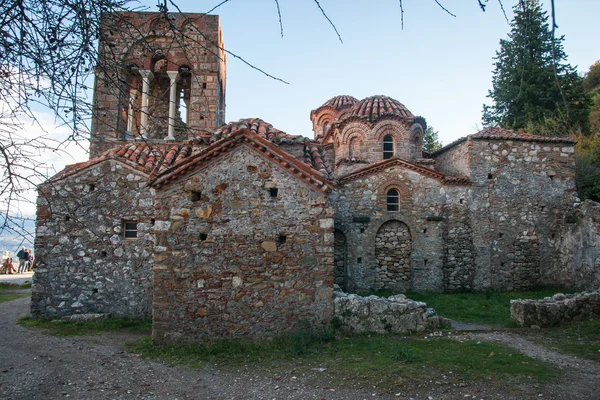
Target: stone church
x,y
239,230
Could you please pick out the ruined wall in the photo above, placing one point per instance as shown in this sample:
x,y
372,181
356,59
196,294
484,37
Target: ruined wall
x,y
559,309
579,245
523,194
433,214
83,262
235,261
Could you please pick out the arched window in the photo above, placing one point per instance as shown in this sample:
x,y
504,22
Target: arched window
x,y
354,148
393,200
388,147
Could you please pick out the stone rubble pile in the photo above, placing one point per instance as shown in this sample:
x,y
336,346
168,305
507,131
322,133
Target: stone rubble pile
x,y
556,310
372,314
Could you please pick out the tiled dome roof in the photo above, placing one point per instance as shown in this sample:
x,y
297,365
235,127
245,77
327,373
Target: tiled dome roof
x,y
374,107
339,102
259,127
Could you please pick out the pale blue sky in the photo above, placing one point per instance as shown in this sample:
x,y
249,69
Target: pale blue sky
x,y
439,67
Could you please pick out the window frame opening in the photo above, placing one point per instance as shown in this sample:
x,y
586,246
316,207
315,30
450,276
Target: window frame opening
x,y
392,200
130,226
388,147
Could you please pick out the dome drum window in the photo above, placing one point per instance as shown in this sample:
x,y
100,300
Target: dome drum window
x,y
388,147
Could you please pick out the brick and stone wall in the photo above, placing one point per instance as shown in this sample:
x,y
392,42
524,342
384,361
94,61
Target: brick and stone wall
x,y
84,264
435,230
136,41
236,261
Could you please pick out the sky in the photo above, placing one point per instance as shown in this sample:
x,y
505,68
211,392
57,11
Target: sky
x,y
439,66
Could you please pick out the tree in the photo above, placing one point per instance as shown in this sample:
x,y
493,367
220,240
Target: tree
x,y
534,88
431,142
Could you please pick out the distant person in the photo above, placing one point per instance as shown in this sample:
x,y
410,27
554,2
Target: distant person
x,y
7,266
30,259
5,256
23,258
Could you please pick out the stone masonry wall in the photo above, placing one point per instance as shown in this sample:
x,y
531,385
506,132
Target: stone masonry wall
x,y
84,263
236,262
523,195
557,310
429,209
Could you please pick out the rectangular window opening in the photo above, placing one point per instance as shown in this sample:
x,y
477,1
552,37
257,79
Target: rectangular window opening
x,y
91,187
490,176
130,229
203,236
273,192
359,260
282,239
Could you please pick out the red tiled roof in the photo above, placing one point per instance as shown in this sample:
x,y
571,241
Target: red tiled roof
x,y
374,107
259,127
336,103
383,164
313,156
145,157
295,167
497,133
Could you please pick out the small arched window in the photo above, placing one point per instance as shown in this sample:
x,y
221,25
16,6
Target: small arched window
x,y
393,200
388,147
354,148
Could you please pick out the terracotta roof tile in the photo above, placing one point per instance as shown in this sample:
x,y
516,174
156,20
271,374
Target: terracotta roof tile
x,y
336,103
313,156
374,107
497,133
259,127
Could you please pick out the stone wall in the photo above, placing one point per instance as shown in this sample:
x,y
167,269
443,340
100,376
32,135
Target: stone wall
x,y
432,212
236,261
373,314
84,264
557,310
522,196
454,161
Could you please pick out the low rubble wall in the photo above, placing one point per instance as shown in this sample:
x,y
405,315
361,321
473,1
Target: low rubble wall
x,y
372,314
556,310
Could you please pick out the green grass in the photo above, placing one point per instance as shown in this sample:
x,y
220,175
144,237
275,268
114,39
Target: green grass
x,y
581,339
370,360
4,297
81,328
486,308
14,286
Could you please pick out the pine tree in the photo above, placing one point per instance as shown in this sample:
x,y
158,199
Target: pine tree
x,y
431,142
534,88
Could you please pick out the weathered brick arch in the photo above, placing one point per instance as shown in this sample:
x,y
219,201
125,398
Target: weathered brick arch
x,y
393,248
354,147
415,137
394,128
353,133
401,187
352,129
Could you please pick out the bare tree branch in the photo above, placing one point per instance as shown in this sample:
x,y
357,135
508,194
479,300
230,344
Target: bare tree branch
x,y
330,23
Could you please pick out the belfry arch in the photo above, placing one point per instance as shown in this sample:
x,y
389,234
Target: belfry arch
x,y
393,248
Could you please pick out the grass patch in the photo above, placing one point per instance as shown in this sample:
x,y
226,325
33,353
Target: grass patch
x,y
581,339
5,287
487,308
81,328
363,361
14,286
10,297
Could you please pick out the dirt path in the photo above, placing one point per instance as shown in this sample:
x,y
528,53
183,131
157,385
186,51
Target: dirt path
x,y
38,366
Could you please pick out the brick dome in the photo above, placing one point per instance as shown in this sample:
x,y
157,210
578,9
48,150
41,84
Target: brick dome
x,y
375,107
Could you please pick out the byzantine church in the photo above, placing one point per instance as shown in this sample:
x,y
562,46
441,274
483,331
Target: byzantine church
x,y
238,229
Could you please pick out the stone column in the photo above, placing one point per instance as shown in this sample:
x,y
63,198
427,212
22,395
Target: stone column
x,y
130,112
174,76
147,77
